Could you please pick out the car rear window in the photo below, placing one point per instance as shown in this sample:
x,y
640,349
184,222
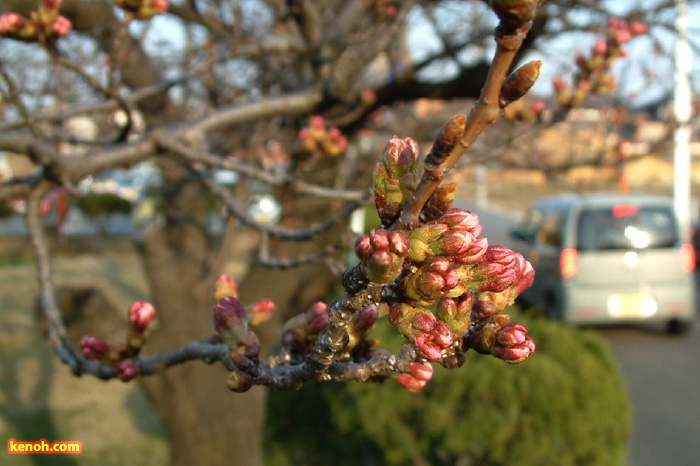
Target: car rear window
x,y
623,227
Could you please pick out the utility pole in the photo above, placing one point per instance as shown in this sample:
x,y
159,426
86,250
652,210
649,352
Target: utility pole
x,y
682,113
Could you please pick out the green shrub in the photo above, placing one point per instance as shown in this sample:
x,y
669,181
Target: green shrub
x,y
566,405
96,204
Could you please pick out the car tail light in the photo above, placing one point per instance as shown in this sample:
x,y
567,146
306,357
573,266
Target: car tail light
x,y
567,263
688,257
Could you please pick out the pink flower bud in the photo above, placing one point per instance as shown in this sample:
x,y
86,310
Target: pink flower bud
x,y
94,348
141,314
61,26
126,370
400,156
226,286
460,219
11,23
230,315
399,243
261,311
317,317
425,322
379,239
421,371
52,4
161,6
517,353
511,334
427,348
410,383
366,318
559,85
442,335
600,47
317,122
638,28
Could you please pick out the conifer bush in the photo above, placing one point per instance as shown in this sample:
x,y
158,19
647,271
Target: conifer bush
x,y
567,406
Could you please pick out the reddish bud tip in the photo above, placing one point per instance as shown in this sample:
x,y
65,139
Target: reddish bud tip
x,y
261,311
126,370
141,314
94,348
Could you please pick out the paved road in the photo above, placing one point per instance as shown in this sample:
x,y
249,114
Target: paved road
x,y
662,374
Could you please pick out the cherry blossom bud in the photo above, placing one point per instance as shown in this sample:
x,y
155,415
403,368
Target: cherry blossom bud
x,y
126,370
421,370
437,279
141,314
226,286
638,28
517,353
307,139
317,317
366,318
17,27
456,312
231,320
410,383
261,311
400,156
382,254
61,26
519,82
460,219
317,122
94,347
239,381
442,335
511,334
600,47
52,4
427,348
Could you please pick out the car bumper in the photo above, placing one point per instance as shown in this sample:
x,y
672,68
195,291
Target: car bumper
x,y
634,303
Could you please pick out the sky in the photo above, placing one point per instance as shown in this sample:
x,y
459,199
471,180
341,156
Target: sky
x,y
647,73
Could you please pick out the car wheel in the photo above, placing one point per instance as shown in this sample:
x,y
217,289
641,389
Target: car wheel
x,y
678,327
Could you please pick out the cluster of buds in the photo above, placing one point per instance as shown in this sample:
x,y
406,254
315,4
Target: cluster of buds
x,y
141,317
319,139
382,254
143,9
418,375
450,281
231,324
431,337
593,72
501,338
258,313
44,24
300,332
395,178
